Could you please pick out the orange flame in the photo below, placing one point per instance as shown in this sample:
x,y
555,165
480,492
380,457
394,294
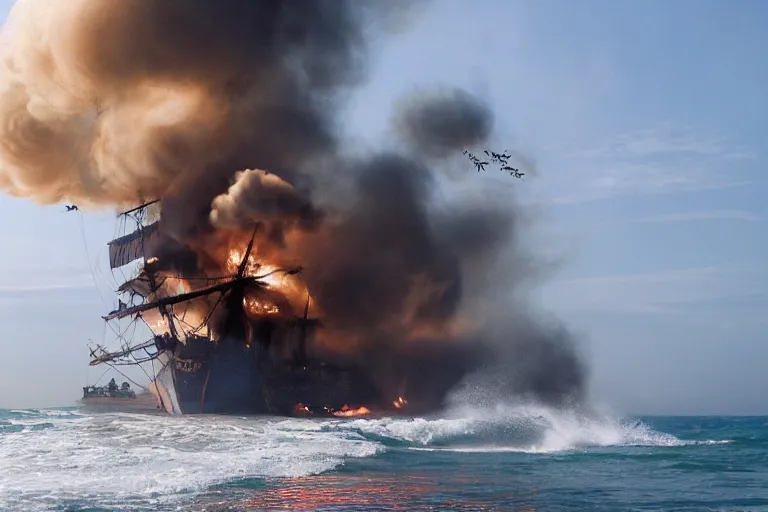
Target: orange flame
x,y
289,286
258,307
301,409
400,402
235,257
348,412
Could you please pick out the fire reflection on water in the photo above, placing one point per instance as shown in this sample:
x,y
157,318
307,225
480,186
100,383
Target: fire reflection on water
x,y
359,493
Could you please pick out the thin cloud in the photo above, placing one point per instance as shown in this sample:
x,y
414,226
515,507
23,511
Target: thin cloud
x,y
667,292
739,215
667,276
620,179
665,141
650,162
36,285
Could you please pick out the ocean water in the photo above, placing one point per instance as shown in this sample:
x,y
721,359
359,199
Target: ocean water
x,y
505,457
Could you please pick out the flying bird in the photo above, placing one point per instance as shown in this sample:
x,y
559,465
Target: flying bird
x,y
71,208
514,172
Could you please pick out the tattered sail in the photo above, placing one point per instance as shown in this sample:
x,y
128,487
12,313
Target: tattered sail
x,y
152,212
133,246
140,285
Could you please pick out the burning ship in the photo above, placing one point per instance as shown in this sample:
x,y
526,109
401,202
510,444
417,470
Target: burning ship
x,y
411,280
224,344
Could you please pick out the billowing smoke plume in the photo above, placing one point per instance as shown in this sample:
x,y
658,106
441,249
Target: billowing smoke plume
x,y
257,196
225,109
437,124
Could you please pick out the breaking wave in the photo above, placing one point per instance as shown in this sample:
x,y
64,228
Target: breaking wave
x,y
513,428
131,461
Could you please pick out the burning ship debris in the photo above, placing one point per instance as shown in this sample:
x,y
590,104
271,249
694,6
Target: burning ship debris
x,y
277,275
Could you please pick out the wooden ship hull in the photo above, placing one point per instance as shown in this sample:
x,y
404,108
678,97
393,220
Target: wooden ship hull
x,y
203,377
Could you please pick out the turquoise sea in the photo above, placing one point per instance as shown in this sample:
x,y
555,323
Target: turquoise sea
x,y
506,458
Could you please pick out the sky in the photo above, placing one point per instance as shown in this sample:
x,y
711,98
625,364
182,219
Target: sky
x,y
645,124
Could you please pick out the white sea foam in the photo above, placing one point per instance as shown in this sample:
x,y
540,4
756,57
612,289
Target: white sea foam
x,y
132,461
125,457
516,428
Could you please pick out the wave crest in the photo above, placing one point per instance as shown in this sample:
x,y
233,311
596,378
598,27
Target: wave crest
x,y
526,428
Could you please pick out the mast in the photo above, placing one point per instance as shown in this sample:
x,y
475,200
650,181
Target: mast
x,y
142,244
163,302
184,297
124,250
107,357
151,276
139,244
138,208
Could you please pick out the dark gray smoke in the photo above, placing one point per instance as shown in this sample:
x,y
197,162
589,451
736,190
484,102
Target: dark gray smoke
x,y
115,102
438,124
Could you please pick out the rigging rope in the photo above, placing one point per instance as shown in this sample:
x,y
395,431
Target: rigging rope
x,y
102,376
88,255
93,275
141,367
114,236
90,267
110,280
154,382
135,325
210,313
120,269
152,362
124,375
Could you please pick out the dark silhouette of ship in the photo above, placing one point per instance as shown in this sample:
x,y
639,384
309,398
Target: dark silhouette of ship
x,y
111,390
114,398
244,364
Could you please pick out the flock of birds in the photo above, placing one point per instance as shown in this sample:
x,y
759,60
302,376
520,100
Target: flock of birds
x,y
501,159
